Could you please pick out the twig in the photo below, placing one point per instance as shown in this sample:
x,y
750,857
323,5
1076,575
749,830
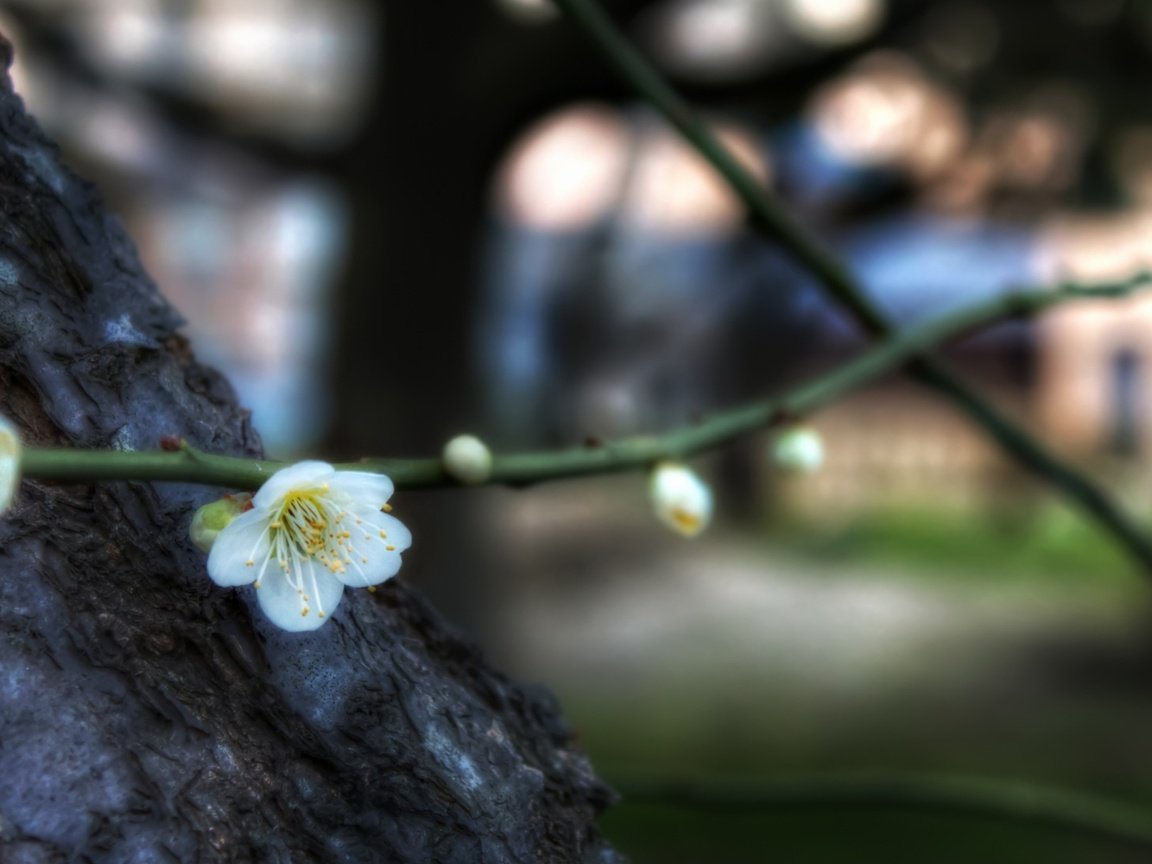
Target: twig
x,y
1015,802
771,218
193,466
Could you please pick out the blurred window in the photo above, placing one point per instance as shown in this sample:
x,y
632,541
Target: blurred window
x,y
1126,374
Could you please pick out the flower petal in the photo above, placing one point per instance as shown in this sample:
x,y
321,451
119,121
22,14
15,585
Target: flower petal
x,y
377,541
302,475
10,450
288,610
241,550
364,487
398,533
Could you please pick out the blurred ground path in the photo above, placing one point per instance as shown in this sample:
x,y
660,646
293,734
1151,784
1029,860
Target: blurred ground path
x,y
735,654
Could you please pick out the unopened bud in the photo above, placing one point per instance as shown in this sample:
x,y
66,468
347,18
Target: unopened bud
x,y
799,449
681,500
213,518
468,459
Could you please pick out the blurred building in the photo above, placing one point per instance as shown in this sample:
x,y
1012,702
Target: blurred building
x,y
1093,396
625,296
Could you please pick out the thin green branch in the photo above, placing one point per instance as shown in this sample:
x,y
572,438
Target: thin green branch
x,y
1014,802
765,213
772,219
186,465
192,466
1093,500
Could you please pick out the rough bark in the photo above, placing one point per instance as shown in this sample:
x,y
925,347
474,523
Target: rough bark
x,y
146,715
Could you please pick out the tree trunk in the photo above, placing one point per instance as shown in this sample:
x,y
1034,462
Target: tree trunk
x,y
147,715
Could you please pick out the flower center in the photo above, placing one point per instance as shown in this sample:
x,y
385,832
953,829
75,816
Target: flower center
x,y
687,520
302,523
307,525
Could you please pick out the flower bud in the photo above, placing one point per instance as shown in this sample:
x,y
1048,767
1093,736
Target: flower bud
x,y
10,451
468,459
799,449
682,500
213,518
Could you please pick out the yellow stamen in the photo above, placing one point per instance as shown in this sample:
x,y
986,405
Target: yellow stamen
x,y
688,523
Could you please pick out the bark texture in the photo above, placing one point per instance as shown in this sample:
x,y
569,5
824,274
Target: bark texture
x,y
148,716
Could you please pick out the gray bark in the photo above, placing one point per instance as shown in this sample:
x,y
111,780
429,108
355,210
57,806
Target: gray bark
x,y
147,715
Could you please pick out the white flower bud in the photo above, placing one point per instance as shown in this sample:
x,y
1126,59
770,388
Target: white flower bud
x,y
799,449
213,518
682,500
10,451
468,459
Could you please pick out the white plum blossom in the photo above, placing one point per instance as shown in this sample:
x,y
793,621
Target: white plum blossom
x,y
682,500
311,531
10,455
799,449
468,459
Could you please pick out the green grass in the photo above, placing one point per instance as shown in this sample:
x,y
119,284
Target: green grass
x,y
1072,738
1016,718
1049,542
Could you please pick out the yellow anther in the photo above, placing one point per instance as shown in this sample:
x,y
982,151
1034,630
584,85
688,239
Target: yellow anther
x,y
257,584
249,563
390,548
372,589
387,508
687,520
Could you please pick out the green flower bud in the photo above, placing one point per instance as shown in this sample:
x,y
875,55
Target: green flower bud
x,y
213,518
